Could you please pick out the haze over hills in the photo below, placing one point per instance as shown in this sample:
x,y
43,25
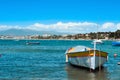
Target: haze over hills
x,y
24,32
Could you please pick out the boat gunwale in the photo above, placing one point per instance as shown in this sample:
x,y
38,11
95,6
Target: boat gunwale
x,y
88,53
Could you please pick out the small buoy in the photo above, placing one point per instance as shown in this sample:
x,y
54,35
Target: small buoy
x,y
115,55
118,63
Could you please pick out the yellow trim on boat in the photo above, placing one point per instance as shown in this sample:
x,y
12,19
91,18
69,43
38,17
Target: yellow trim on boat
x,y
88,53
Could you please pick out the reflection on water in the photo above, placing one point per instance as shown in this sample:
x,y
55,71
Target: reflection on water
x,y
78,73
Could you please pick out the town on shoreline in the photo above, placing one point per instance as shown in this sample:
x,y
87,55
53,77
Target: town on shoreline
x,y
85,36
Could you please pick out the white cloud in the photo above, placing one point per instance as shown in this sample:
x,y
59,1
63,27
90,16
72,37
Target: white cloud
x,y
108,26
6,27
72,27
118,26
68,27
3,27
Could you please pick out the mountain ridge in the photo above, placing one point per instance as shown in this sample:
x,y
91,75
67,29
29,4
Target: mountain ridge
x,y
24,32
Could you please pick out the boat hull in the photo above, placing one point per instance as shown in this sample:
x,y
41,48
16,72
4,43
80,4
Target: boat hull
x,y
88,62
87,58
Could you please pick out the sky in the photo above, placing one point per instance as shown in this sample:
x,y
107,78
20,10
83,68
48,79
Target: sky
x,y
71,16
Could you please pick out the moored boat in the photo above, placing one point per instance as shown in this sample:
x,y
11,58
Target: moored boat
x,y
32,43
116,43
86,57
98,41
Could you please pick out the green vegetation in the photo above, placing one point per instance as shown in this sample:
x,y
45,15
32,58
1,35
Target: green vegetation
x,y
92,35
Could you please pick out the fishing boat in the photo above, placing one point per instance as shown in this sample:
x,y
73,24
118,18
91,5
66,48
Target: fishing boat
x,y
86,57
116,43
32,43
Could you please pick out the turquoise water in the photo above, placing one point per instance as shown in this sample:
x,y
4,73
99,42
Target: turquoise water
x,y
46,61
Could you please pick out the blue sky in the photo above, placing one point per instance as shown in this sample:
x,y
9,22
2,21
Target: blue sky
x,y
27,13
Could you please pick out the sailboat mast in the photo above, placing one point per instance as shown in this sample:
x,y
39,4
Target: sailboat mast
x,y
97,33
94,48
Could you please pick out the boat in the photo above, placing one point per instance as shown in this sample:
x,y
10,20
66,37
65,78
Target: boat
x,y
86,57
32,43
98,41
116,43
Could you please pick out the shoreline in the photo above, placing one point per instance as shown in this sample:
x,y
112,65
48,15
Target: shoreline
x,y
63,39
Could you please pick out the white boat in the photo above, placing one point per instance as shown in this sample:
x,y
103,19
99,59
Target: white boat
x,y
86,57
98,41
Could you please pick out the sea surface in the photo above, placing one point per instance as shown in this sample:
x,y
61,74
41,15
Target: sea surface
x,y
46,61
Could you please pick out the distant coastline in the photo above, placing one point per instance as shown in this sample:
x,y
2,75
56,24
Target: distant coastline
x,y
53,39
85,36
